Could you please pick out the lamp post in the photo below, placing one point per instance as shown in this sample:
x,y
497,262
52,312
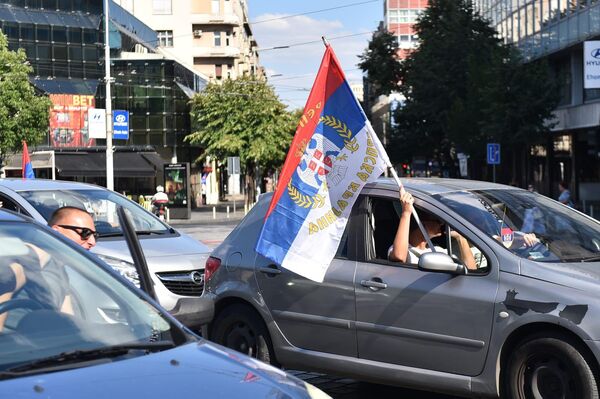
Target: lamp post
x,y
108,103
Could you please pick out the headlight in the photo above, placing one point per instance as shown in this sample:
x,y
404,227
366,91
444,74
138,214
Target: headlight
x,y
126,269
315,393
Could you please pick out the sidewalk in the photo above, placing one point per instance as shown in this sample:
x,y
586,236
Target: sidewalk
x,y
204,214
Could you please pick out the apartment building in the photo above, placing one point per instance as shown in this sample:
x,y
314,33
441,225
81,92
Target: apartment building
x,y
211,36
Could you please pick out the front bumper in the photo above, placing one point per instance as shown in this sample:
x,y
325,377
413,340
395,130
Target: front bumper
x,y
194,313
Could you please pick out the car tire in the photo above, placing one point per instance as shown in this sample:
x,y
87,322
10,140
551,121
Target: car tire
x,y
547,367
239,327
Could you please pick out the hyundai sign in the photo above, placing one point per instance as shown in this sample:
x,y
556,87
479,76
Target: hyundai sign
x,y
120,125
591,65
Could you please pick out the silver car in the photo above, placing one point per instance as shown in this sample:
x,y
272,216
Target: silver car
x,y
525,323
175,260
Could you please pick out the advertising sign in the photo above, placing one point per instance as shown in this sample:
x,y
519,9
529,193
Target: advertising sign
x,y
69,120
591,64
97,123
176,184
120,125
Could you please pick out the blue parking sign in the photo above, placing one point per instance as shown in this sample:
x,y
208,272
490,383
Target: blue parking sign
x,y
493,154
120,125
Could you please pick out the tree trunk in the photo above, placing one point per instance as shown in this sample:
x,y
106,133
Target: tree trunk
x,y
250,186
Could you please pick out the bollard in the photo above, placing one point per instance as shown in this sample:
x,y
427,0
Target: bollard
x,y
227,211
245,209
214,212
168,214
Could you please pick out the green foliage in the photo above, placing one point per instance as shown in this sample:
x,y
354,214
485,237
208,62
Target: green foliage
x,y
244,118
23,114
464,87
380,63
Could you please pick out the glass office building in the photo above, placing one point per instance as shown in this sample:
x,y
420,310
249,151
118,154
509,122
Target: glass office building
x,y
64,42
556,30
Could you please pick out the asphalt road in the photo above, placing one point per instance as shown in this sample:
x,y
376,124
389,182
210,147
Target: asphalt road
x,y
337,387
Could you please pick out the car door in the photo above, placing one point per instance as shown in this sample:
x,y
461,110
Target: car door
x,y
311,315
405,316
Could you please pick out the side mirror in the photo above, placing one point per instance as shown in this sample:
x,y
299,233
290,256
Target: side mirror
x,y
194,312
439,262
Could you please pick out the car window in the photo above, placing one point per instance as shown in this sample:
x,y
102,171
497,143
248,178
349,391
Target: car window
x,y
7,203
528,224
67,302
383,226
101,204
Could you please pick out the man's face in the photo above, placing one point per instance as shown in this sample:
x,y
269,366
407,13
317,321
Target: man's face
x,y
77,226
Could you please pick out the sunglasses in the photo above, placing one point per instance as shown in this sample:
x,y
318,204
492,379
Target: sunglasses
x,y
83,232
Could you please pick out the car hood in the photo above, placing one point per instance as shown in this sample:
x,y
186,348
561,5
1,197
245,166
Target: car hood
x,y
190,371
153,246
580,275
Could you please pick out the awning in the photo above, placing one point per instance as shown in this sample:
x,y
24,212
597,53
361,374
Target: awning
x,y
93,164
39,160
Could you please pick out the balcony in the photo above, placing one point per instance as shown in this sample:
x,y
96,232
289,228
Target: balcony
x,y
210,19
227,52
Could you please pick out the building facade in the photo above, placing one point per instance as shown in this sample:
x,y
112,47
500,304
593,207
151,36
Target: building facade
x,y
556,30
211,36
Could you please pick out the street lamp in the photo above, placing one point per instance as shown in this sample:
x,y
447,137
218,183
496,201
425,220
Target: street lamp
x,y
108,103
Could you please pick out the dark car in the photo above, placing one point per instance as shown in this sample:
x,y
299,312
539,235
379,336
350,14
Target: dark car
x,y
522,323
75,328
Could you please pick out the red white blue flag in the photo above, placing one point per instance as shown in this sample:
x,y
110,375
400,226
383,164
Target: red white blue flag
x,y
334,153
26,168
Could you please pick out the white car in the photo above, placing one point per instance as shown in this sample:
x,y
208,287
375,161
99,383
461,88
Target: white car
x,y
175,260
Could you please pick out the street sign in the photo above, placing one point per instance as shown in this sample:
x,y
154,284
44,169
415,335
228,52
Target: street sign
x,y
120,125
493,154
233,165
97,123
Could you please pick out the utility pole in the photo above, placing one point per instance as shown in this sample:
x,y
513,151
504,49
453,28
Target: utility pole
x,y
108,104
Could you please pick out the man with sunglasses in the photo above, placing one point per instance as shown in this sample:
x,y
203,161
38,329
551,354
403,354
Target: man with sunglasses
x,y
75,224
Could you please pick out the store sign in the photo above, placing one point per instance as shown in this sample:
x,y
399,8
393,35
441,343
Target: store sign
x,y
120,125
69,120
97,123
591,64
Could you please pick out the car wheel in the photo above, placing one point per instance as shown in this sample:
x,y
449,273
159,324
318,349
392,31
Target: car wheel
x,y
239,327
548,367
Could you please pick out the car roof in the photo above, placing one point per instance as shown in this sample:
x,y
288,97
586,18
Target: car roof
x,y
19,184
434,185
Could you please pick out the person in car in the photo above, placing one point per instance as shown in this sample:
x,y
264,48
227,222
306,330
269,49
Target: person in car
x,y
76,224
409,245
12,278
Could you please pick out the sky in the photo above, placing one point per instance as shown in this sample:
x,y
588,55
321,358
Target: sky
x,y
292,70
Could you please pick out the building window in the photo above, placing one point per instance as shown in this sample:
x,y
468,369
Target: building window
x,y
161,7
229,70
227,38
215,6
218,71
403,16
165,38
217,39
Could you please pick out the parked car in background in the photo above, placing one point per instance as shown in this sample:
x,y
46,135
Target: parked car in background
x,y
175,260
115,341
524,323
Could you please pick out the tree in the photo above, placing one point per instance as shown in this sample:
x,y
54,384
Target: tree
x,y
380,63
464,87
23,114
242,117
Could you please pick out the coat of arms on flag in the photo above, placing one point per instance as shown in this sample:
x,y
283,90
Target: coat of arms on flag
x,y
333,155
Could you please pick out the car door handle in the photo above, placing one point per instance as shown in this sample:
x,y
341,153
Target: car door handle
x,y
272,270
374,285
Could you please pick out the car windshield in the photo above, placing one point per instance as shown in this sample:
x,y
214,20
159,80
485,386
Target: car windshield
x,y
102,204
67,309
529,224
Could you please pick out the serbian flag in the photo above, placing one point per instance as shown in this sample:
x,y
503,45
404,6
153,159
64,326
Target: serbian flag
x,y
26,168
334,153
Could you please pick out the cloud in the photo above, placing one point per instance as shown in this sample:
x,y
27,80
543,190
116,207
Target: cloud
x,y
305,59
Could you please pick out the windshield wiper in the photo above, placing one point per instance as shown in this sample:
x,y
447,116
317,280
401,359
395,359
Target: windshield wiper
x,y
138,232
77,356
583,259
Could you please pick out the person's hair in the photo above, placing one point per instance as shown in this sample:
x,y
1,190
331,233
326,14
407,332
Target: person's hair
x,y
60,213
564,184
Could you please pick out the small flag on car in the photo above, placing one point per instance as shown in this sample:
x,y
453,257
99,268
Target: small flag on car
x,y
26,168
334,153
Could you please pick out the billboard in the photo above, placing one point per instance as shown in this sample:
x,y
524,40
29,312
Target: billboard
x,y
68,120
176,184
